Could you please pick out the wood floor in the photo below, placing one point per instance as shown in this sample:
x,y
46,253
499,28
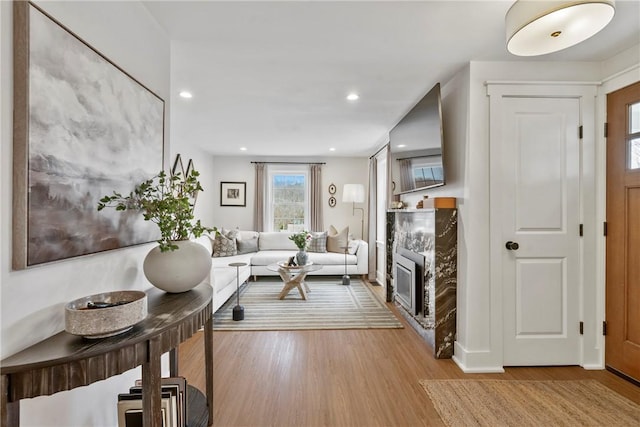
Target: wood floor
x,y
336,378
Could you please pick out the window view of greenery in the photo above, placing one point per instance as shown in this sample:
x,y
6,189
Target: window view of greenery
x,y
288,192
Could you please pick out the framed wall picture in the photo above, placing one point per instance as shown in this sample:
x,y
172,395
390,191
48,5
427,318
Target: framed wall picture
x,y
82,128
233,194
332,189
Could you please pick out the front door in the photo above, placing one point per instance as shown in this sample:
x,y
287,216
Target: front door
x,y
540,206
622,349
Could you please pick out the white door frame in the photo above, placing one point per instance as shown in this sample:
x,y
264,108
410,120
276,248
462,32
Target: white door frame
x,y
585,92
381,218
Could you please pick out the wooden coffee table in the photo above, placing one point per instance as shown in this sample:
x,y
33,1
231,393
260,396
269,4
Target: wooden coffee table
x,y
293,277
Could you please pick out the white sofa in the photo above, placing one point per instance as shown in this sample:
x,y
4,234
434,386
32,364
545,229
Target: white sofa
x,y
272,248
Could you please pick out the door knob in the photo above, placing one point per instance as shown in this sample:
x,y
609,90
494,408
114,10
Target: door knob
x,y
512,246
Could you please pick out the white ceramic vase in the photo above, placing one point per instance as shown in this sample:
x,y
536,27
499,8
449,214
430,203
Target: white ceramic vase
x,y
179,270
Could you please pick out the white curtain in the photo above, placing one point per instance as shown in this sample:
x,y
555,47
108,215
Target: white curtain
x,y
371,223
316,223
406,175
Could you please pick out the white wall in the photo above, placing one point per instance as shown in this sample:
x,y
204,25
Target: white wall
x,y
337,170
32,300
204,163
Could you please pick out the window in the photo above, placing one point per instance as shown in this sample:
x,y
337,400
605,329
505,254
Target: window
x,y
633,137
427,171
287,207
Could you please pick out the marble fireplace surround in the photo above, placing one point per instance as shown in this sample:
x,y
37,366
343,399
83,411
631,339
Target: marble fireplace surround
x,y
431,233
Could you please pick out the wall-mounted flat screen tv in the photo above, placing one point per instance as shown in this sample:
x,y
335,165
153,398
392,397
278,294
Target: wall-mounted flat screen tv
x,y
417,146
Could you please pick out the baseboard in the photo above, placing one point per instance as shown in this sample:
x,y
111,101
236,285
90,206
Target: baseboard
x,y
474,362
593,367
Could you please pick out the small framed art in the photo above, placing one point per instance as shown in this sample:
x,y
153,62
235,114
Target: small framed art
x,y
233,194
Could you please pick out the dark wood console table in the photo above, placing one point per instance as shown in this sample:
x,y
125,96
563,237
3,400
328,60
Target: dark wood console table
x,y
65,361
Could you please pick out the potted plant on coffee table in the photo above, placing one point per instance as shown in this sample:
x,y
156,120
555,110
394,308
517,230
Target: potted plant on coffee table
x,y
301,240
177,264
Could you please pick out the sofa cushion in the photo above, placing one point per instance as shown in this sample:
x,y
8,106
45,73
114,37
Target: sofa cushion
x,y
271,257
246,235
264,258
275,240
318,242
225,261
246,246
224,244
337,241
331,258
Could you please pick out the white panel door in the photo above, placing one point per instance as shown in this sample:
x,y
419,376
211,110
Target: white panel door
x,y
540,230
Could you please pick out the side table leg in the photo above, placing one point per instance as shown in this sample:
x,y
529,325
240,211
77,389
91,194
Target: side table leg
x,y
173,362
151,407
208,360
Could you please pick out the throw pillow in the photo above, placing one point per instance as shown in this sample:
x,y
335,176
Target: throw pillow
x,y
353,246
224,244
246,234
318,242
246,246
337,241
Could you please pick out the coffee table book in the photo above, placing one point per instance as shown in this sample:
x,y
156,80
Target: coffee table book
x,y
130,410
171,384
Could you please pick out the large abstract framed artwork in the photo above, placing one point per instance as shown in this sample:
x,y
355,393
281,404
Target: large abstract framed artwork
x,y
82,128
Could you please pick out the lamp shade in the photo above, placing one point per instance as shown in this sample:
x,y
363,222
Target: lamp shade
x,y
538,27
353,193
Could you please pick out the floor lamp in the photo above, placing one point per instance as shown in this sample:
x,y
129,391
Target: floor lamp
x,y
353,193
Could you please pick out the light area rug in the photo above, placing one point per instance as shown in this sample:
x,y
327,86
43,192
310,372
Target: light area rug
x,y
530,403
329,305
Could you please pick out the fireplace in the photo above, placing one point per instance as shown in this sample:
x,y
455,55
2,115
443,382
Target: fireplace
x,y
422,274
409,280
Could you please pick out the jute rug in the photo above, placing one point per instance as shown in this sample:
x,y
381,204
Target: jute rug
x,y
530,403
329,305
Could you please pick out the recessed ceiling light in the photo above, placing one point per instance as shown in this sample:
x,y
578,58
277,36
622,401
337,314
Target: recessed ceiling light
x,y
185,94
402,145
353,97
332,149
243,148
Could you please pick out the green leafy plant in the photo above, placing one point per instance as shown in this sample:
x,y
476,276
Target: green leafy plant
x,y
166,200
301,239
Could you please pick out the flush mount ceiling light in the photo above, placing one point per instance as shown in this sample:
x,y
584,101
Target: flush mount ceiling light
x,y
185,94
353,97
538,27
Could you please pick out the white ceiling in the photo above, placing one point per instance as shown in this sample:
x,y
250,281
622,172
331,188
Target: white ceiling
x,y
273,76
